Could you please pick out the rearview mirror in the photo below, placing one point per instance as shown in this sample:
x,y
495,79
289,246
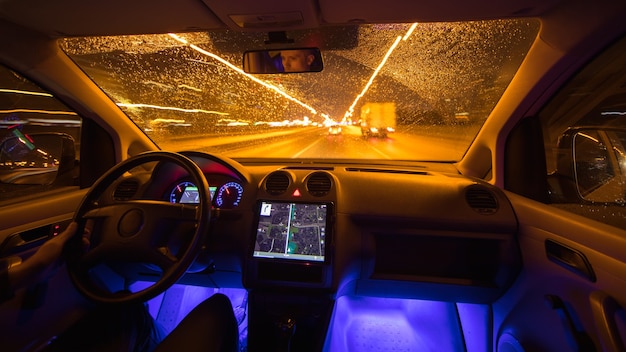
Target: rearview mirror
x,y
290,60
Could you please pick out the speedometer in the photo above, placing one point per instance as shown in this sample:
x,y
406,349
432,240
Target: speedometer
x,y
229,195
185,192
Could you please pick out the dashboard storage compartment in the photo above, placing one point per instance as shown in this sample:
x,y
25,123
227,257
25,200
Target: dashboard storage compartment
x,y
464,267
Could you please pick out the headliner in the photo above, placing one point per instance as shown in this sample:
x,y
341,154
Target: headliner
x,y
61,18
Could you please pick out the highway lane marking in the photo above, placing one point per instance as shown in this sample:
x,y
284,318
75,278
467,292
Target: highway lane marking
x,y
262,149
297,155
379,152
220,138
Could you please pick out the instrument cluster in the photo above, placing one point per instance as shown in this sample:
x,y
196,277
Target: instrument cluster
x,y
225,193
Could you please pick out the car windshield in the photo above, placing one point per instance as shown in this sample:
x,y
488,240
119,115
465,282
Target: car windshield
x,y
387,91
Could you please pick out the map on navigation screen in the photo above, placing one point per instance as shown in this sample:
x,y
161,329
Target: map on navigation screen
x,y
291,231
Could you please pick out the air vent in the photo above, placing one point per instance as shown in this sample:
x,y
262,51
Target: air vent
x,y
481,200
277,183
126,190
318,184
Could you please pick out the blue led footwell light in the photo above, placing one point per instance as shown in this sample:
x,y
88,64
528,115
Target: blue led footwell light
x,y
385,324
358,323
170,307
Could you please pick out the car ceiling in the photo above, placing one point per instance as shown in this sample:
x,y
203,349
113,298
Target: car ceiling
x,y
79,18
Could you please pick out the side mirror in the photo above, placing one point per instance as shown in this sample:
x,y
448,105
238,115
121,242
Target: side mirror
x,y
594,159
283,61
36,159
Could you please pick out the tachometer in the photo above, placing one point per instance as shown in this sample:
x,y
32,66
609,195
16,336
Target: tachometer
x,y
229,195
185,192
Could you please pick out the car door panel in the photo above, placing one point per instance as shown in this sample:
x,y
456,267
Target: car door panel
x,y
35,314
556,303
48,208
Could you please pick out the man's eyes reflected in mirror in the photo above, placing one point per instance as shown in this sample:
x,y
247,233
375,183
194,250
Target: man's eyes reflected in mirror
x,y
297,60
283,61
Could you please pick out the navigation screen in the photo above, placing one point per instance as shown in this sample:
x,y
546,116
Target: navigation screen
x,y
291,231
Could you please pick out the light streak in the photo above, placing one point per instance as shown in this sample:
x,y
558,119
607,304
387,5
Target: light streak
x,y
47,112
24,139
158,121
240,71
160,85
377,70
189,87
410,31
54,121
159,107
2,90
589,137
371,80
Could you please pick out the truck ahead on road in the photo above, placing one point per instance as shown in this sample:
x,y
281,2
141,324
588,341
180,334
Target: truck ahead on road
x,y
378,119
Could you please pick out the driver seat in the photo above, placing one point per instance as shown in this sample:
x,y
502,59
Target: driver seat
x,y
210,326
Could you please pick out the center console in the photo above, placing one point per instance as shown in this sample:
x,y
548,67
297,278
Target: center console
x,y
289,275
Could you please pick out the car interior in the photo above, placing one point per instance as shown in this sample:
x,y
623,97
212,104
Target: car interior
x,y
352,175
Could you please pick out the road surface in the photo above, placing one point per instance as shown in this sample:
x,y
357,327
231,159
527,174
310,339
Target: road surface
x,y
315,142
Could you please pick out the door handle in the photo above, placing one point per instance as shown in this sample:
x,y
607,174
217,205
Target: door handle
x,y
571,259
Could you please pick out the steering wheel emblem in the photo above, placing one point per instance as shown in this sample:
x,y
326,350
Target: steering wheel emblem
x,y
131,223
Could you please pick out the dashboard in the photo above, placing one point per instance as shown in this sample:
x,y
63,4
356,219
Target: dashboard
x,y
422,232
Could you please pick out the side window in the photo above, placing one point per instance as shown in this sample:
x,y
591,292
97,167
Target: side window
x,y
584,128
39,139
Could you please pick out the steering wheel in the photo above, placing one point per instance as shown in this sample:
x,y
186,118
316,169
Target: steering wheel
x,y
135,234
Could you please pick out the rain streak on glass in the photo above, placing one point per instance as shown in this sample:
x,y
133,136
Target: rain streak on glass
x,y
387,91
